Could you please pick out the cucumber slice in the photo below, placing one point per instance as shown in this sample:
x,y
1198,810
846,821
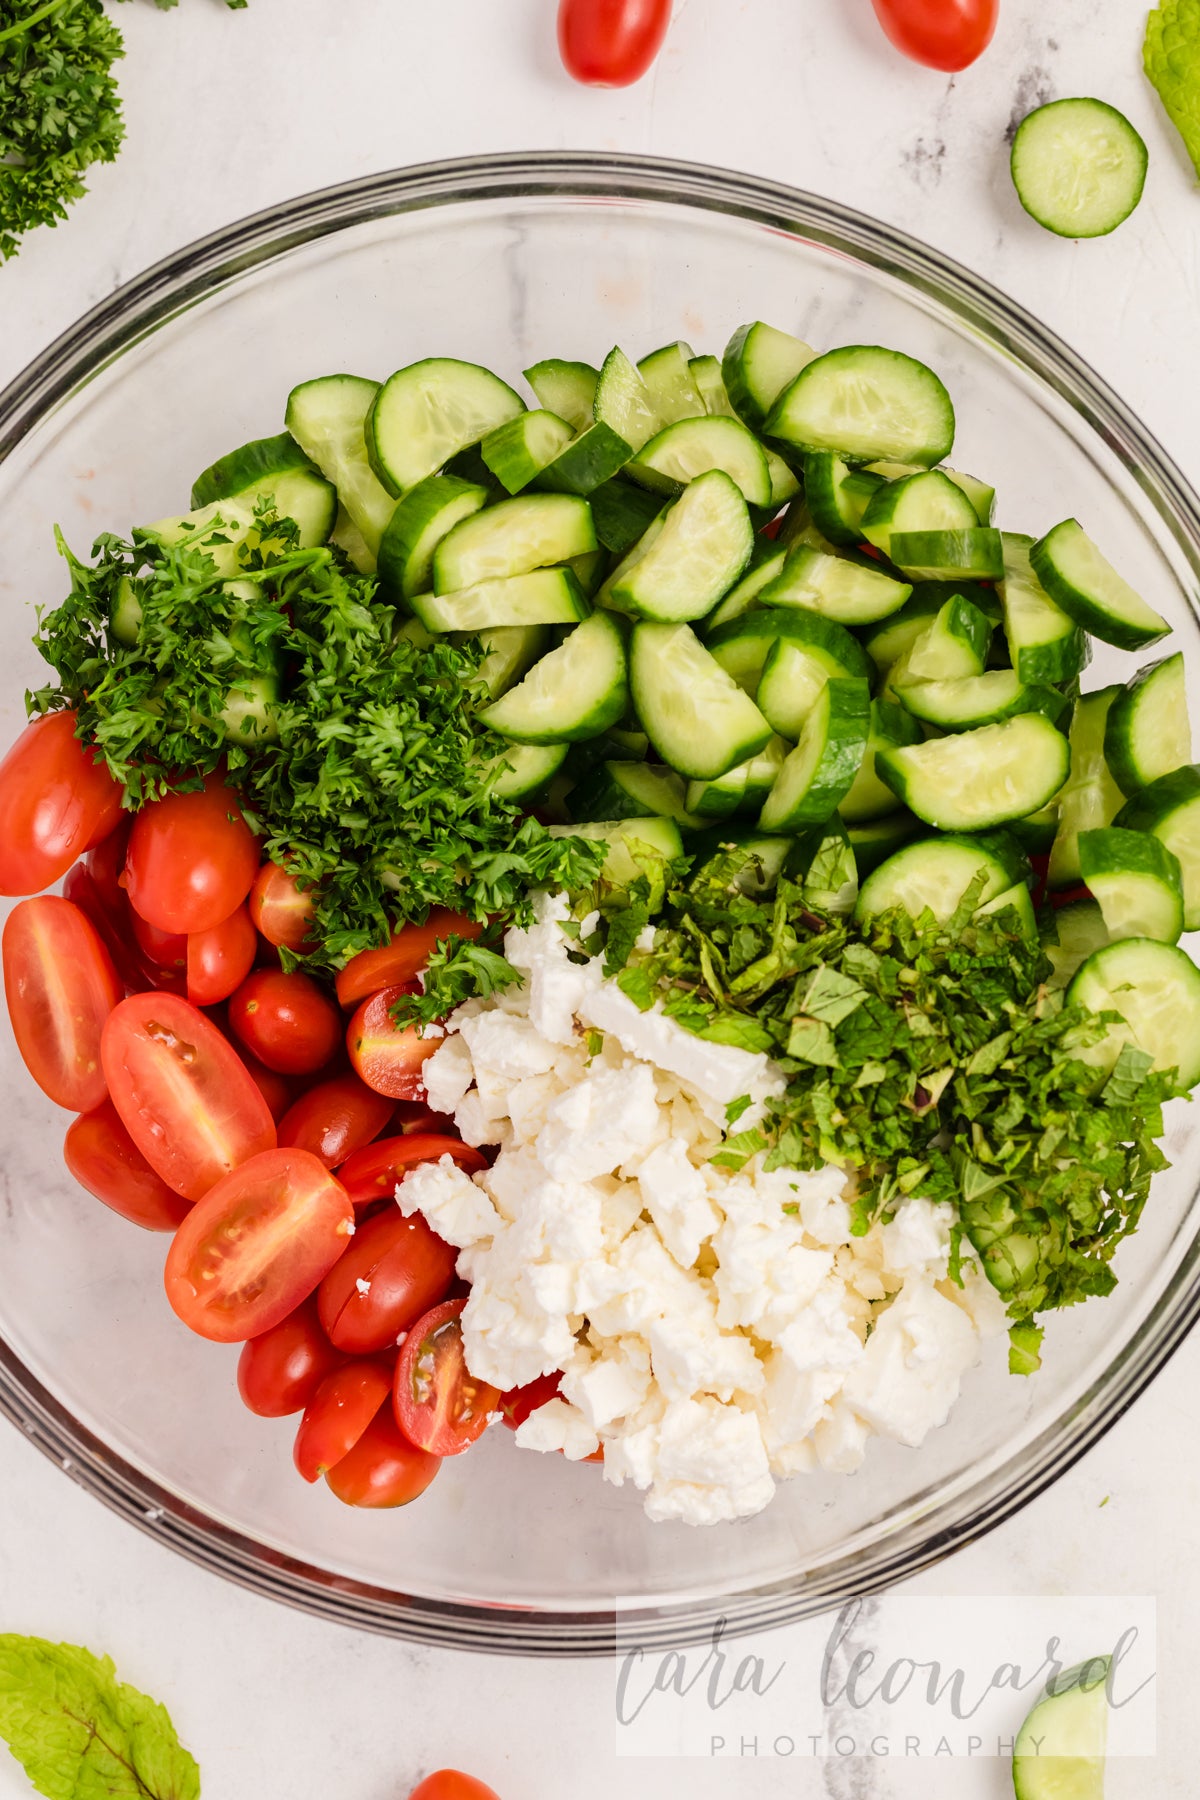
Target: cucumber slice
x,y
621,514
1045,644
1136,882
979,493
759,363
578,691
327,417
979,700
681,452
632,844
1087,587
761,774
347,538
893,637
419,522
870,798
934,875
518,451
430,411
630,790
690,558
718,799
542,597
623,402
975,553
742,647
511,651
593,458
249,714
220,530
695,715
953,646
1018,899
838,496
274,469
533,531
589,570
980,778
1036,833
878,839
1170,809
1060,1749
1149,732
709,382
928,502
668,380
822,768
525,769
1091,797
565,388
865,403
835,588
125,619
1156,990
766,563
1079,167
1079,929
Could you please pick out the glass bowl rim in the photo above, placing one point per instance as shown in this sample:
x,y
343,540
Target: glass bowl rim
x,y
192,274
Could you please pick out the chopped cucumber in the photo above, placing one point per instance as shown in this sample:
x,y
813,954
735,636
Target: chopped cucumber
x,y
1016,899
973,700
590,460
327,417
1170,808
878,839
693,555
822,768
893,637
426,413
1036,833
1136,881
274,469
534,531
980,778
838,496
759,363
517,451
766,563
925,502
952,646
975,553
761,773
721,798
542,597
935,874
835,588
1079,167
865,403
1155,988
1045,643
681,452
632,845
578,691
1079,929
511,650
979,493
623,402
525,769
710,385
427,514
249,711
1091,798
630,790
1060,1749
565,388
667,375
347,538
1149,732
870,798
588,570
695,715
622,514
1087,587
743,646
220,530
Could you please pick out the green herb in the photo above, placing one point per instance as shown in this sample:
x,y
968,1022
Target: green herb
x,y
80,1734
1172,59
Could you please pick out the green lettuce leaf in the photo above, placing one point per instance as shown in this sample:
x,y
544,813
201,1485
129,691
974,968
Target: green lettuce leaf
x,y
1172,58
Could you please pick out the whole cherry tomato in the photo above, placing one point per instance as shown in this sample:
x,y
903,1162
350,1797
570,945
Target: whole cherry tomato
x,y
191,859
439,1405
383,1469
105,863
286,1020
280,1371
219,960
388,1056
61,986
338,1413
399,962
395,1270
104,1159
611,43
166,950
942,34
449,1784
56,801
276,1090
375,1173
335,1119
257,1245
281,909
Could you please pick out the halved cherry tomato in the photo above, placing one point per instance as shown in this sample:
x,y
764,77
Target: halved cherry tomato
x,y
383,1469
280,1371
61,987
167,950
439,1405
449,1784
257,1245
942,34
191,859
338,1413
56,801
402,960
386,1055
104,1159
286,1020
610,43
394,1271
374,1173
182,1092
281,909
516,1406
336,1118
218,961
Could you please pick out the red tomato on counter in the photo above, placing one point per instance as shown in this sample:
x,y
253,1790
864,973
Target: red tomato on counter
x,y
449,1784
611,43
942,34
56,801
61,987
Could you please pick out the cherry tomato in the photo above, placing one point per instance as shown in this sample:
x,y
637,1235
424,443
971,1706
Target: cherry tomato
x,y
394,1271
105,863
439,1405
114,926
281,910
336,1118
286,1020
182,1092
338,1413
386,1055
56,801
61,987
374,1173
218,961
166,950
279,1372
611,43
414,1115
516,1406
383,1469
191,859
257,1245
104,1159
402,960
449,1784
276,1090
943,34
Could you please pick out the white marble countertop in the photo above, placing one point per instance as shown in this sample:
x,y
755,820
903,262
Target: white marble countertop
x,y
229,112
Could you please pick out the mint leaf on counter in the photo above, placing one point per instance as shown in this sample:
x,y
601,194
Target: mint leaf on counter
x,y
1172,59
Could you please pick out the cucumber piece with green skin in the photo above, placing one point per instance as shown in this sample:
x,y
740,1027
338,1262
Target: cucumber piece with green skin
x,y
274,469
534,531
689,557
347,538
835,588
519,450
759,362
742,646
1079,927
1060,1749
1037,832
682,451
974,553
426,413
667,375
1170,809
623,402
220,530
745,863
511,651
866,404
1087,587
1136,881
526,769
1018,900
799,528
593,458
766,563
696,716
632,843
1091,798
934,874
1045,644
979,779
870,798
1079,167
718,799
578,691
761,773
974,700
838,496
565,388
327,417
631,790
953,646
249,713
887,642
1155,988
928,502
1149,733
589,570
706,373
419,522
875,841
621,514
541,597
979,493
793,675
125,619
822,768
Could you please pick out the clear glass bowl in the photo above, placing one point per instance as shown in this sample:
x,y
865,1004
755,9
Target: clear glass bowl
x,y
505,261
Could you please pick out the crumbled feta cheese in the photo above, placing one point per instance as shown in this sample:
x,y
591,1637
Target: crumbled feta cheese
x,y
448,1074
458,1210
558,1426
677,1200
913,1364
917,1241
601,1122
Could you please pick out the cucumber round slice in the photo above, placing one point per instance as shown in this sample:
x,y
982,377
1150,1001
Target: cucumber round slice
x,y
578,691
934,875
975,700
327,417
594,457
1087,587
976,553
426,413
1060,1749
821,769
1136,881
1079,929
980,778
742,646
1091,798
427,514
1079,167
1170,809
543,597
525,769
766,563
623,402
1045,644
866,403
1149,732
878,839
520,449
870,798
926,502
533,531
630,790
696,716
681,452
565,388
759,363
835,587
632,844
691,556
1156,990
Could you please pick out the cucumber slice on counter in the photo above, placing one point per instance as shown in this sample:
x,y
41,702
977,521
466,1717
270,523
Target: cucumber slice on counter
x,y
525,769
934,875
1091,798
835,588
1044,642
694,713
1149,733
975,553
632,843
1156,990
534,531
980,778
1087,587
870,798
766,563
865,403
1079,167
878,839
759,362
1060,1749
667,376
419,522
1136,882
590,460
621,514
565,388
623,402
975,700
681,452
274,469
743,646
426,413
689,558
1079,929
1170,809
630,790
928,502
578,691
327,417
541,597
821,769
518,451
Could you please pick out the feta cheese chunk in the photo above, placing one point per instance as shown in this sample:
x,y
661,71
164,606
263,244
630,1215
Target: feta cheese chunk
x,y
913,1364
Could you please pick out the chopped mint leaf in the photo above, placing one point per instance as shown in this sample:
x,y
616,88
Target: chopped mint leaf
x,y
595,1043
736,1151
736,1108
1024,1348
